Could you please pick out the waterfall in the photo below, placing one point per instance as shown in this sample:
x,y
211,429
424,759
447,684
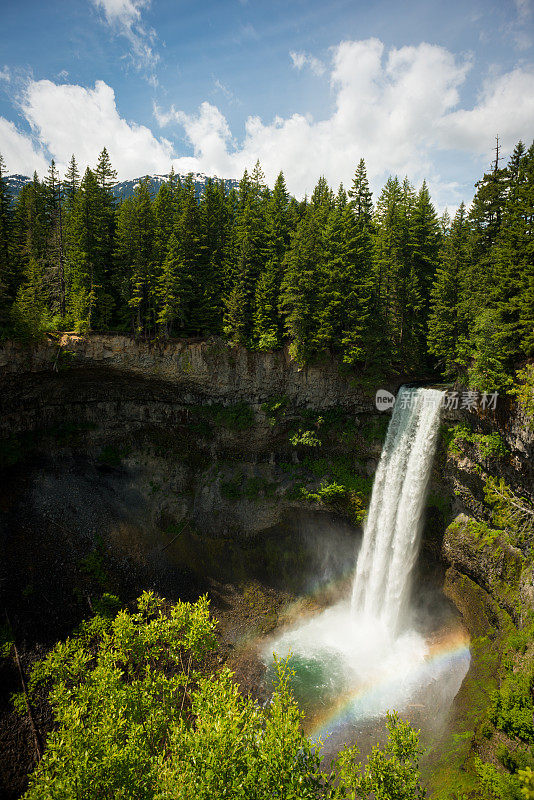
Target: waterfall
x,y
363,655
392,530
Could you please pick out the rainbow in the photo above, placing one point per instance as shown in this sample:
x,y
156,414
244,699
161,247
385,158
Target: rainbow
x,y
443,654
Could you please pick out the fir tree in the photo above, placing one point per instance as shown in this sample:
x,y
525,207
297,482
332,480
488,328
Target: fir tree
x,y
301,286
105,174
71,181
360,196
268,327
447,330
7,277
248,255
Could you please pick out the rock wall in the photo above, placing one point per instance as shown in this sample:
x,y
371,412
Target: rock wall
x,y
211,367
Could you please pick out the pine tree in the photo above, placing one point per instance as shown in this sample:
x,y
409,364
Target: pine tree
x,y
447,330
425,244
56,254
71,181
360,196
163,222
174,290
136,251
301,286
7,276
248,255
513,255
31,315
268,328
215,222
105,174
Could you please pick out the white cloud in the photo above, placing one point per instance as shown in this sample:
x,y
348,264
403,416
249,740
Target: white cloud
x,y
5,74
124,16
395,108
505,107
19,151
300,60
69,119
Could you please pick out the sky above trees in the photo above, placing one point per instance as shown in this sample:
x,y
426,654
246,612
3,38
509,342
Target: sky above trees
x,y
418,88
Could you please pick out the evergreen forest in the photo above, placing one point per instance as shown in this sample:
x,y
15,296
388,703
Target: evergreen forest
x,y
387,285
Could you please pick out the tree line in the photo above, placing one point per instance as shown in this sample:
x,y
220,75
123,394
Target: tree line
x,y
386,286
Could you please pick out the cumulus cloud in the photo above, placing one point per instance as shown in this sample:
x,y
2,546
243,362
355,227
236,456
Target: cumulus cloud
x,y
124,17
301,59
21,155
505,106
396,108
69,119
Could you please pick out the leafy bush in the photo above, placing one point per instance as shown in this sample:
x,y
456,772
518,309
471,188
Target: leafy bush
x,y
489,445
116,689
137,720
524,392
512,707
510,512
275,409
236,417
305,438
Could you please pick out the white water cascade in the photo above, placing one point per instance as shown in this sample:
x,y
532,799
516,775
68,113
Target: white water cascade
x,y
368,649
393,527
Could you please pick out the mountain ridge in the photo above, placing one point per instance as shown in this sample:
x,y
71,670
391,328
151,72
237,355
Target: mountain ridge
x,y
124,189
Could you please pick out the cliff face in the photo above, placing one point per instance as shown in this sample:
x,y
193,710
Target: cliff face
x,y
178,459
210,368
168,463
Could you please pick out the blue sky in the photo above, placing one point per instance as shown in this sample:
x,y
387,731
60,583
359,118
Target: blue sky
x,y
417,88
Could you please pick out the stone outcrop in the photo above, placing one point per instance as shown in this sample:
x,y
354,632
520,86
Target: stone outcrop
x,y
211,367
494,564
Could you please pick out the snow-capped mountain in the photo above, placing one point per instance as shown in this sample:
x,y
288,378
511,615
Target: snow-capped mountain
x,y
15,183
124,189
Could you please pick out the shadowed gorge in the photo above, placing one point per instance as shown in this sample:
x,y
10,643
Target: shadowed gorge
x,y
117,479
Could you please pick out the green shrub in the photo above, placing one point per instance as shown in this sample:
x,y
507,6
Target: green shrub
x,y
137,719
236,417
512,708
524,392
305,439
275,409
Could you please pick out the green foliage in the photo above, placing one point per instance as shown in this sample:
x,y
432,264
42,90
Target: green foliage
x,y
236,416
481,531
137,719
489,445
341,489
375,429
275,409
6,641
305,439
494,784
524,392
510,512
526,781
387,289
93,564
512,706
